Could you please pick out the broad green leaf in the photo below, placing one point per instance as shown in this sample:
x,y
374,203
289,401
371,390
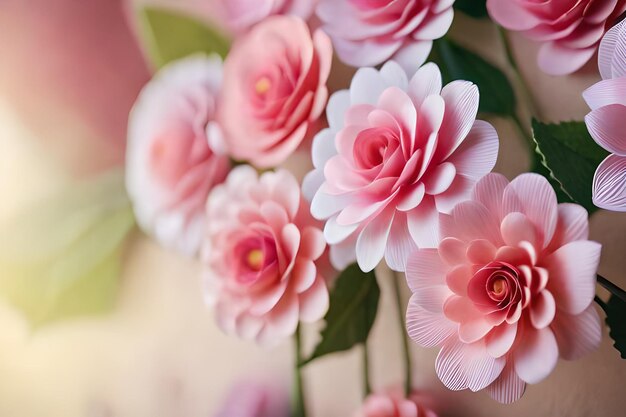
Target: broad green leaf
x,y
474,8
539,168
457,63
61,257
571,156
169,35
353,306
616,320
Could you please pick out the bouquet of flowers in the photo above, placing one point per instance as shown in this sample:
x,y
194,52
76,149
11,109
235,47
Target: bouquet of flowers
x,y
291,192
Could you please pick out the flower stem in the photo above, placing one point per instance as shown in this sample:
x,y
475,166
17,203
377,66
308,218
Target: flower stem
x,y
408,383
518,75
523,132
367,389
612,288
299,409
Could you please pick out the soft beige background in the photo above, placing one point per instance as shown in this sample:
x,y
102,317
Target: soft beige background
x,y
160,355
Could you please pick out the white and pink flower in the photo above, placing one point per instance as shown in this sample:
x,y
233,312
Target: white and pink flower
x,y
274,90
509,288
174,152
394,403
397,153
569,30
263,254
605,122
369,32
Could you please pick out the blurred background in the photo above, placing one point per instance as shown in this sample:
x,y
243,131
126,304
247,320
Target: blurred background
x,y
69,73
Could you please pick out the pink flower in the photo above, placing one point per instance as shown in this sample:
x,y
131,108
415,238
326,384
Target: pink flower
x,y
394,404
397,153
569,30
274,89
170,164
508,290
254,399
240,15
605,122
369,32
263,253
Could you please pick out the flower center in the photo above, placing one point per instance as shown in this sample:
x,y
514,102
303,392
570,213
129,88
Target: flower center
x,y
255,259
262,85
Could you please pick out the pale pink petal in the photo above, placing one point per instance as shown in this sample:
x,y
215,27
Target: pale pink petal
x,y
422,223
461,366
313,243
335,232
508,387
303,274
572,225
542,309
605,93
394,75
512,14
372,241
609,184
436,26
500,340
458,278
481,252
336,108
283,319
425,82
477,155
452,251
314,302
461,98
515,228
572,278
440,178
537,356
475,222
399,245
606,126
555,59
344,253
424,267
425,328
473,330
611,62
577,335
412,55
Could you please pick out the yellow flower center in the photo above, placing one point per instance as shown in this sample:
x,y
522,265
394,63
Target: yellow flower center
x,y
255,259
263,85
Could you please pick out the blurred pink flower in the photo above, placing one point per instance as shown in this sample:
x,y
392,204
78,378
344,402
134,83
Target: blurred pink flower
x,y
605,122
254,399
509,288
240,15
263,253
397,153
174,154
369,32
394,404
570,30
274,89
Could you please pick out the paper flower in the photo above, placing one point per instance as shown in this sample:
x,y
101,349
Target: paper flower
x,y
397,153
274,89
605,122
240,15
263,252
508,290
569,30
254,399
367,33
173,153
394,404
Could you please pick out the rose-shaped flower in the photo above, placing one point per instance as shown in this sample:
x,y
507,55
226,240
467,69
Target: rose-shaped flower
x,y
263,253
274,89
369,32
605,122
254,399
240,15
569,30
170,164
509,288
397,153
394,404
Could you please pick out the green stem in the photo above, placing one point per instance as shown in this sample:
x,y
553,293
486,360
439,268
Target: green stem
x,y
523,132
518,75
612,288
367,388
408,383
299,409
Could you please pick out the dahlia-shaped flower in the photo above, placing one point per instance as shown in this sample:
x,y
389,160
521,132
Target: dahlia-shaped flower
x,y
174,152
605,122
508,290
369,32
274,90
263,256
569,30
394,404
397,153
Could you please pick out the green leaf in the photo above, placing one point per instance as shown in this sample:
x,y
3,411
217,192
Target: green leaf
x,y
473,8
571,157
353,306
169,36
61,257
616,320
457,63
